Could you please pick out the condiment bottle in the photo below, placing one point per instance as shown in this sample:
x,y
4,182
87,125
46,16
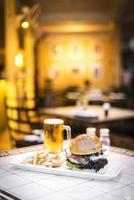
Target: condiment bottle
x,y
105,139
106,108
91,131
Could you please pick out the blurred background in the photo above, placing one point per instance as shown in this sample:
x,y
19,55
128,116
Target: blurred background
x,y
52,51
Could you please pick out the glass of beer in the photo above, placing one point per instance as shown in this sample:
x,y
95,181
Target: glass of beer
x,y
53,134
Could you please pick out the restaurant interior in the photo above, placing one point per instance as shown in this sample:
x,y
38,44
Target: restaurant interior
x,y
67,59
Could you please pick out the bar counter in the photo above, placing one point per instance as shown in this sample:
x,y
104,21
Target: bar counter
x,y
26,185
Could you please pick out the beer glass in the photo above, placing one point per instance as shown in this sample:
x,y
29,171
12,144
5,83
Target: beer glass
x,y
53,134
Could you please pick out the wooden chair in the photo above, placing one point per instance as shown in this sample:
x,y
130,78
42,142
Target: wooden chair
x,y
23,119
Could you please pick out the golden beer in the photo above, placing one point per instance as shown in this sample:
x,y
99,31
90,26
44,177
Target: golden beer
x,y
53,134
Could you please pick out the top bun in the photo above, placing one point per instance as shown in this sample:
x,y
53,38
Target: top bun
x,y
85,145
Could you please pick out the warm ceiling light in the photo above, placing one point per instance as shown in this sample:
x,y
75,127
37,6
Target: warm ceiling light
x,y
19,60
25,24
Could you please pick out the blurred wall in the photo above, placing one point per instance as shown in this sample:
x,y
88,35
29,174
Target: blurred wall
x,y
70,58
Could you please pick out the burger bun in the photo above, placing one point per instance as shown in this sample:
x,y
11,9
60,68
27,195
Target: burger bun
x,y
85,145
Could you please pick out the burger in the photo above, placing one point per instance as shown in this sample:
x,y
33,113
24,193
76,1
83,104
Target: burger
x,y
86,153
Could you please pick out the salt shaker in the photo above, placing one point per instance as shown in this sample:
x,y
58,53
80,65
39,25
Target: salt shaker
x,y
91,131
105,139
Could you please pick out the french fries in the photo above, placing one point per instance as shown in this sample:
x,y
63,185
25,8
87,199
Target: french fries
x,y
44,158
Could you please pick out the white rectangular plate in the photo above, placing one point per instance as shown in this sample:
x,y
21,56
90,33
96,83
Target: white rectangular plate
x,y
109,172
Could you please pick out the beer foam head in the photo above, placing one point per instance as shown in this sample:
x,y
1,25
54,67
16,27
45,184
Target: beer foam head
x,y
53,121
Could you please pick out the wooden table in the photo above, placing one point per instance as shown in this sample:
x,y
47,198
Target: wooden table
x,y
68,112
98,98
28,185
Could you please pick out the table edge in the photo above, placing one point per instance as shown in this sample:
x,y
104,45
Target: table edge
x,y
123,151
